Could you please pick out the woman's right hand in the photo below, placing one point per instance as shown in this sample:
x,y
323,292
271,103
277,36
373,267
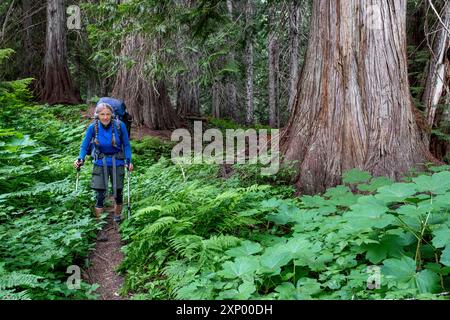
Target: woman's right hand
x,y
78,163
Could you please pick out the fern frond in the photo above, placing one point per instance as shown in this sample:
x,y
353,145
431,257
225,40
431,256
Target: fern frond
x,y
158,226
221,242
188,245
11,295
17,279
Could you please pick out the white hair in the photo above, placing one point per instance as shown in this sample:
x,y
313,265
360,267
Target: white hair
x,y
101,106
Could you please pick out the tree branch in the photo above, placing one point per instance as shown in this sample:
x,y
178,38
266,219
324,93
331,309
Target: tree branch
x,y
439,17
6,21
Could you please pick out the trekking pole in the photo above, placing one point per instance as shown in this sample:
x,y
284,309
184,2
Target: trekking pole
x,y
129,204
78,178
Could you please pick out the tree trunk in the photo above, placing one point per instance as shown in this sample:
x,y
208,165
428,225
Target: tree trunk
x,y
56,84
186,83
27,38
232,104
216,100
188,91
437,66
249,64
187,95
353,108
294,25
147,100
438,146
273,59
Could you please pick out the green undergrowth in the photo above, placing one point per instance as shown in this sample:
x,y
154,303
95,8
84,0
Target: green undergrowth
x,y
45,226
195,235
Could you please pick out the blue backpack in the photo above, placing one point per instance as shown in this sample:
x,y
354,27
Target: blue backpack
x,y
120,110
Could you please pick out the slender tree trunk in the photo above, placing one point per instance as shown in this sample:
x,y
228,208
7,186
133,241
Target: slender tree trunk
x,y
294,25
57,86
216,100
27,38
273,59
232,103
147,100
440,147
435,83
249,63
353,108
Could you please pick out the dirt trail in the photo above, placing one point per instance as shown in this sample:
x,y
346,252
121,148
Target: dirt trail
x,y
104,261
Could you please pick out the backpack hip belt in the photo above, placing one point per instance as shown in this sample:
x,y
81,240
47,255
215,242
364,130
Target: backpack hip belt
x,y
118,155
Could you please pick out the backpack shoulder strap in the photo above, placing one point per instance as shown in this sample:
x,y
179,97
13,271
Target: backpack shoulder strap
x,y
119,128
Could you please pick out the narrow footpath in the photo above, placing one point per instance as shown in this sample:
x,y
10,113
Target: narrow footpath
x,y
104,260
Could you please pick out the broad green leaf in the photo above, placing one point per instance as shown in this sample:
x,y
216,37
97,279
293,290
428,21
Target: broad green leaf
x,y
246,290
389,246
376,253
307,218
285,214
307,287
313,201
427,281
308,255
369,212
240,267
441,201
271,203
441,237
320,261
337,191
375,183
369,205
445,256
401,270
286,291
415,211
298,247
438,183
274,258
355,176
396,192
326,210
439,168
247,248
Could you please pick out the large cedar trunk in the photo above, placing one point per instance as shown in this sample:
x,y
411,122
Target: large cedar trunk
x,y
353,108
56,84
147,100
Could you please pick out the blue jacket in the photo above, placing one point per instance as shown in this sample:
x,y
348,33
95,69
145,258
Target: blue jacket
x,y
105,145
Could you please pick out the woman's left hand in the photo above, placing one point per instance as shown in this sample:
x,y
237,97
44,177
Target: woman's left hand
x,y
130,167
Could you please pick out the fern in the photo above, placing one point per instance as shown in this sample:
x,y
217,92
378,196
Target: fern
x,y
158,226
17,279
11,282
12,295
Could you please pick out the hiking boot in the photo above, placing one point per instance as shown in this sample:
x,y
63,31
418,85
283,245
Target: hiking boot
x,y
117,219
102,236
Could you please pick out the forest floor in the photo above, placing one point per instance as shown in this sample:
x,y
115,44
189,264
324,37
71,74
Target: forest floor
x,y
104,261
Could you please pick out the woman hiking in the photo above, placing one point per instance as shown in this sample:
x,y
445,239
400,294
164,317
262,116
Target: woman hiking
x,y
111,151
